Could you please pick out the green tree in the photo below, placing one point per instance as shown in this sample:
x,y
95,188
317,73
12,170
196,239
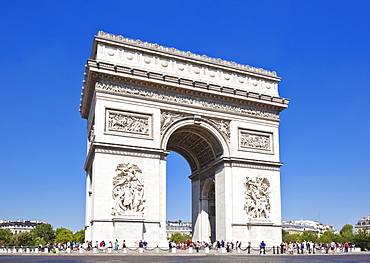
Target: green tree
x,y
43,232
22,239
79,236
346,233
178,237
362,239
328,237
347,228
291,237
309,236
5,237
63,235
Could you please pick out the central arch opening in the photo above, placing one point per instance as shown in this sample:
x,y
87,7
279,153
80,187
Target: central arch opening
x,y
201,149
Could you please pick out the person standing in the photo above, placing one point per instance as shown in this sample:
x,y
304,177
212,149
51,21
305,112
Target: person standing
x,y
262,248
116,246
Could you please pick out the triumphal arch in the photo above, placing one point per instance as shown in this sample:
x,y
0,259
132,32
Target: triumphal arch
x,y
143,100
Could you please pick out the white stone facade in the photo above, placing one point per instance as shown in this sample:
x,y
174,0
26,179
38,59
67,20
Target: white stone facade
x,y
143,100
298,226
20,226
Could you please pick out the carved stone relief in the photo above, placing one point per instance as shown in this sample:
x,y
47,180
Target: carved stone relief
x,y
255,140
168,118
187,100
257,197
91,135
128,190
128,122
223,126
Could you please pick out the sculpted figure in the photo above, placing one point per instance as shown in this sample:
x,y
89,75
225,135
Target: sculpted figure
x,y
257,197
128,190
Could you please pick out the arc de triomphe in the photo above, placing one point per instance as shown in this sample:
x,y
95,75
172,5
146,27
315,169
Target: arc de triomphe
x,y
143,100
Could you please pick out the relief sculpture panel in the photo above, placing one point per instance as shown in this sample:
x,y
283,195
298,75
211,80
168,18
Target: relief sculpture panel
x,y
128,190
257,197
130,123
255,141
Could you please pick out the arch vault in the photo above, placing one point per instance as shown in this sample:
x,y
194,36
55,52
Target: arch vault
x,y
142,101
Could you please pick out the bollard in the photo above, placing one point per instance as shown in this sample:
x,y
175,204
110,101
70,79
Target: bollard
x,y
239,250
56,250
81,250
95,250
223,250
27,250
124,250
273,249
36,250
141,250
206,250
68,250
46,250
174,250
157,250
190,250
277,250
20,250
109,250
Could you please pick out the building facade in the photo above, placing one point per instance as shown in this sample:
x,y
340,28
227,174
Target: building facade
x,y
363,224
298,226
184,228
20,226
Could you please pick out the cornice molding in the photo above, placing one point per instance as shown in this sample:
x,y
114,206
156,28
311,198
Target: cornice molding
x,y
185,54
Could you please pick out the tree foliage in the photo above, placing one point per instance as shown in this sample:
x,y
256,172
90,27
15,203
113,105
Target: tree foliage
x,y
44,233
41,234
178,237
5,237
63,235
79,236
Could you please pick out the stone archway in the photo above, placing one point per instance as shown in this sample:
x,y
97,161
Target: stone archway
x,y
143,100
202,150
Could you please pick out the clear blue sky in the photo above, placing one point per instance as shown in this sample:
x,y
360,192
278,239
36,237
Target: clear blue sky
x,y
321,49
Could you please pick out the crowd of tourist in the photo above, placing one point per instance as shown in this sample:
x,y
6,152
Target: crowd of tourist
x,y
289,248
308,247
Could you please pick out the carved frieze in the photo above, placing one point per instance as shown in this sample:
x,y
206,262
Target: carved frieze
x,y
257,141
129,123
257,197
223,126
128,190
184,99
167,118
